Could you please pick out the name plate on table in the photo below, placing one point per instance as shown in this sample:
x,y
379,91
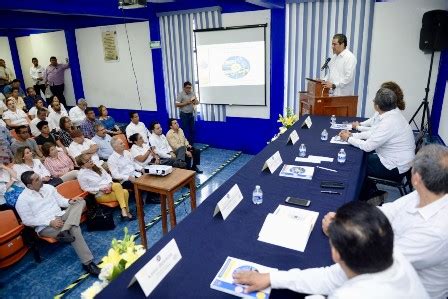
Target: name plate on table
x,y
228,203
293,138
157,268
307,123
273,162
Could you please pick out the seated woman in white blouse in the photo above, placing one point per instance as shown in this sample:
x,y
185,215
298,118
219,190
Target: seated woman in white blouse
x,y
23,161
14,117
97,181
141,152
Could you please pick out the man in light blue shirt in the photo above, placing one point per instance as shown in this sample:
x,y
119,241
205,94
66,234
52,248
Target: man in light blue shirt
x,y
103,141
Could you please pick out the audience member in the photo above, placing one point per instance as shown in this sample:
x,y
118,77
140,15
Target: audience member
x,y
9,189
81,145
23,139
56,114
87,126
66,128
38,105
54,76
14,117
58,163
31,98
186,101
7,90
41,115
39,206
177,140
20,104
54,99
141,151
2,103
46,136
108,121
37,74
6,75
102,139
362,246
23,161
97,181
390,144
77,114
163,149
5,146
121,164
135,126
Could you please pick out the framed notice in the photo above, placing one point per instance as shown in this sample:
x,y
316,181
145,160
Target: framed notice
x,y
110,44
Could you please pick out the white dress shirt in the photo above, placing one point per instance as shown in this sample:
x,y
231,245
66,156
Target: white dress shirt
x,y
163,148
39,208
140,151
33,126
54,118
62,109
398,281
140,128
391,138
122,166
369,123
92,182
17,118
77,115
37,72
75,149
341,71
421,234
38,168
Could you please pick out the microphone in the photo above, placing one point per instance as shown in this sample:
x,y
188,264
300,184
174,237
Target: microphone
x,y
325,64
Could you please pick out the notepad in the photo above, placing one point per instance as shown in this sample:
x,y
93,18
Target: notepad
x,y
337,140
341,126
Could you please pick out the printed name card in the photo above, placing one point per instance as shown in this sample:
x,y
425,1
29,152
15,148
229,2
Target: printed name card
x,y
307,123
273,162
228,203
157,268
293,137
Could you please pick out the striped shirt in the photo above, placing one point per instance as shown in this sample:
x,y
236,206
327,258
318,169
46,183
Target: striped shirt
x,y
60,165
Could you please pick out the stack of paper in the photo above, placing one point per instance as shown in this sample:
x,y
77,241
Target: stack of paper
x,y
337,140
288,227
314,159
298,172
223,281
341,126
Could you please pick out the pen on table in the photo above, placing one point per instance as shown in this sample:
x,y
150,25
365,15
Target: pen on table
x,y
330,192
326,168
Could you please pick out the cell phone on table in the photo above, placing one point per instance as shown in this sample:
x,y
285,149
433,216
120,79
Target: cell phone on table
x,y
298,201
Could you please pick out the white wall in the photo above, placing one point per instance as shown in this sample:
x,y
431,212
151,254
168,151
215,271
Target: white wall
x,y
443,125
43,46
113,83
251,18
5,53
395,54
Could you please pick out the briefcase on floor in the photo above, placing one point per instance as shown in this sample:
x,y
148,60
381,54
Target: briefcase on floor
x,y
99,218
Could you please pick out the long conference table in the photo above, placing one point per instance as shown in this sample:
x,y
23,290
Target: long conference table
x,y
205,241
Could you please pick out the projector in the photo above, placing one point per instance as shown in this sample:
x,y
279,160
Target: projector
x,y
160,170
131,4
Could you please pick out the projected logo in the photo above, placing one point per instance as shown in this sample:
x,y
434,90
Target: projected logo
x,y
236,67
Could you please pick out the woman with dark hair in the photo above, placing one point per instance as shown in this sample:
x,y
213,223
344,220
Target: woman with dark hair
x,y
66,128
58,163
97,181
141,151
23,161
108,121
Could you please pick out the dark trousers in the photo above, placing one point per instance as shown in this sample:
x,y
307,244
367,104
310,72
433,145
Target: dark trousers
x,y
187,120
196,158
376,169
38,88
58,90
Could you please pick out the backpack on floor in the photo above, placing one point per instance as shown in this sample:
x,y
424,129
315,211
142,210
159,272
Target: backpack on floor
x,y
100,218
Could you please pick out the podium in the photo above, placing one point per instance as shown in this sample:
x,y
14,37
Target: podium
x,y
317,101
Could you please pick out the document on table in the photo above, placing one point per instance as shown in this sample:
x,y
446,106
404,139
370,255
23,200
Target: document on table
x,y
288,227
337,140
298,172
341,126
314,159
223,281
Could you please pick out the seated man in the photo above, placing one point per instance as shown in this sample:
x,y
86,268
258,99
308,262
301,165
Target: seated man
x,y
164,150
77,114
81,145
135,126
31,98
46,136
39,206
55,115
23,139
390,144
176,139
7,90
40,116
419,219
87,126
39,104
102,139
362,246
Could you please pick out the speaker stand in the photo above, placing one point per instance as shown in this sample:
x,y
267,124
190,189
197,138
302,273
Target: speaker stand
x,y
425,105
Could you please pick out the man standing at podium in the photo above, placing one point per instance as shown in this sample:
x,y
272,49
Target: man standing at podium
x,y
341,69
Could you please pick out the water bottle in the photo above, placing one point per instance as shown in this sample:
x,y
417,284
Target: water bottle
x,y
324,135
302,150
257,195
333,119
342,156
